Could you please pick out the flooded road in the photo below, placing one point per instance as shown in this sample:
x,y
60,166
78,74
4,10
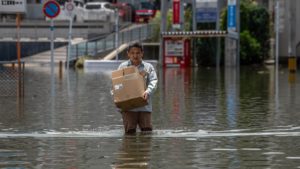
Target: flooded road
x,y
202,118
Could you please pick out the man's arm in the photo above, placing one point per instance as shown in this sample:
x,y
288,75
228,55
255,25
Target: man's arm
x,y
152,80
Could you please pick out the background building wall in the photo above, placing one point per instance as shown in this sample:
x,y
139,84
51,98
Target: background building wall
x,y
288,36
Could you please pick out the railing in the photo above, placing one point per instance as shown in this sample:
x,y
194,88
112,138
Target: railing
x,y
11,79
96,46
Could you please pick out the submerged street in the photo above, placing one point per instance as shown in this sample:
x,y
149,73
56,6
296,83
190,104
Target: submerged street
x,y
203,118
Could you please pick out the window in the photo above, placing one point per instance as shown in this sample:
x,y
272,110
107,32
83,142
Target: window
x,y
91,7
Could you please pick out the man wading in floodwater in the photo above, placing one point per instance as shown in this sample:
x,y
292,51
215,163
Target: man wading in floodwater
x,y
140,116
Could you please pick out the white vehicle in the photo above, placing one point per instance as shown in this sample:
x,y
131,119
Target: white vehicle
x,y
98,11
77,12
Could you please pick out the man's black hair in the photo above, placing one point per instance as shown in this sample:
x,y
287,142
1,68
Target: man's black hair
x,y
135,45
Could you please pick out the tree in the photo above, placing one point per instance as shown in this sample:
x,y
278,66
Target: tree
x,y
254,33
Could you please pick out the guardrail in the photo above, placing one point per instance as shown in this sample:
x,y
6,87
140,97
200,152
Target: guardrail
x,y
96,46
39,30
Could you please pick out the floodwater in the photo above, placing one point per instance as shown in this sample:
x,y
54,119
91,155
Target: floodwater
x,y
203,118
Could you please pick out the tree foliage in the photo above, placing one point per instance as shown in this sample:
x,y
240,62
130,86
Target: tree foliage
x,y
156,22
254,32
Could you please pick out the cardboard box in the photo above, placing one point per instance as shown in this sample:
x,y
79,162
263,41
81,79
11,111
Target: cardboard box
x,y
128,88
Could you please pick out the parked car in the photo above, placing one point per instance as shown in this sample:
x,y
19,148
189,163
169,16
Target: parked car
x,y
98,11
145,12
125,11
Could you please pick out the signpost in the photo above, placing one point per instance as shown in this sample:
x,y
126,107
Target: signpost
x,y
51,9
69,6
232,44
117,33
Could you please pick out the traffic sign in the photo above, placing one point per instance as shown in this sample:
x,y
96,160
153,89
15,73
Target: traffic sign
x,y
231,17
206,15
69,6
51,9
206,11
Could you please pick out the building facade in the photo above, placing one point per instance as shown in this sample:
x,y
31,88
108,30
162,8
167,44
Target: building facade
x,y
288,23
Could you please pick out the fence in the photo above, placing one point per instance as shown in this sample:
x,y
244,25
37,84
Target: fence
x,y
94,47
11,79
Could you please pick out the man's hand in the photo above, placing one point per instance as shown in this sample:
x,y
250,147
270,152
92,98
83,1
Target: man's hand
x,y
145,95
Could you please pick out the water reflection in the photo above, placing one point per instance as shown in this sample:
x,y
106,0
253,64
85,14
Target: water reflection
x,y
134,153
232,94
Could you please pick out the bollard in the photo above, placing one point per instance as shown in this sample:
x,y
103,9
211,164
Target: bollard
x,y
60,69
292,64
292,77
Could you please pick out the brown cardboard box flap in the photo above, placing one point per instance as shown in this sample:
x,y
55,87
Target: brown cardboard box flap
x,y
124,71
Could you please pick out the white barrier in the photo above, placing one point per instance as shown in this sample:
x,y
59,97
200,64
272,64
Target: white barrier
x,y
107,65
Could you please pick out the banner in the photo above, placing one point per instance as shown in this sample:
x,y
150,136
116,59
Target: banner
x,y
176,12
231,15
13,6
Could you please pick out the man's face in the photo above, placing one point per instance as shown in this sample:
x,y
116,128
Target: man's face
x,y
135,55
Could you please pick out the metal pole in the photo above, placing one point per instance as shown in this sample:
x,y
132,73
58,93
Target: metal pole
x,y
272,20
277,35
181,14
117,34
194,15
69,43
292,62
238,25
194,29
163,14
277,56
52,59
276,52
18,20
289,29
218,39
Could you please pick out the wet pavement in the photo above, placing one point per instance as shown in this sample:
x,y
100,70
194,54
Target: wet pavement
x,y
202,118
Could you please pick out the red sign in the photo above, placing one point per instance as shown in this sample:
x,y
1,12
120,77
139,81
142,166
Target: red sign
x,y
51,9
176,11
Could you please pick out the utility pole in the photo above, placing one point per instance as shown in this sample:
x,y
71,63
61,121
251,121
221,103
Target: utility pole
x,y
277,34
232,42
238,26
163,26
117,33
194,26
276,49
292,63
218,57
272,20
